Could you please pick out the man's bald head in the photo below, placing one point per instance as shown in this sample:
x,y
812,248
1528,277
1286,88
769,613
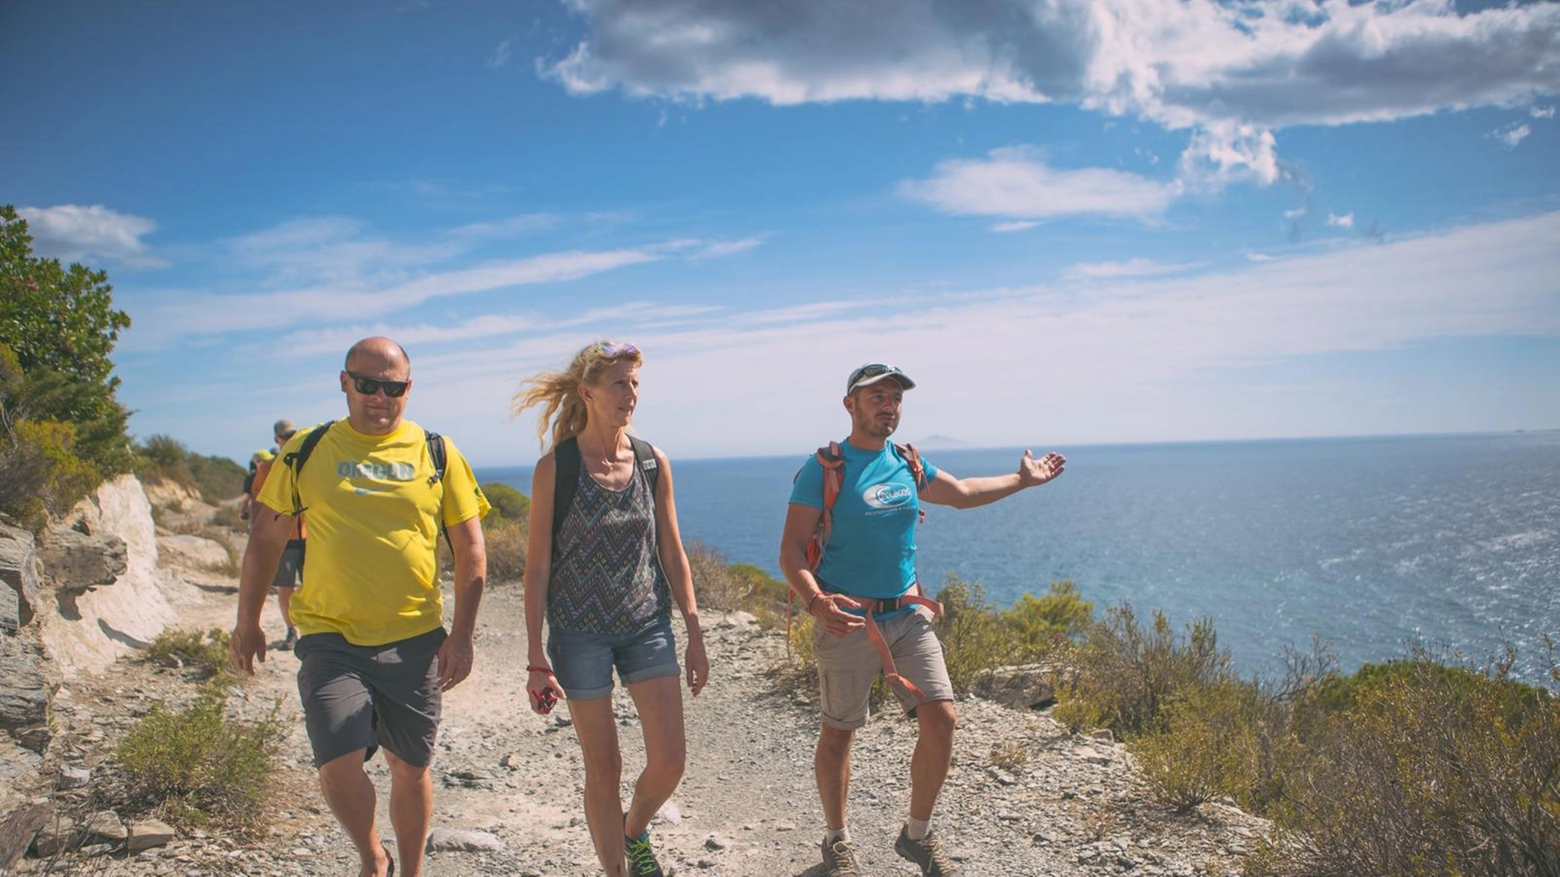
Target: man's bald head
x,y
378,353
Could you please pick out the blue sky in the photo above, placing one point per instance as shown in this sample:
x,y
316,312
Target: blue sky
x,y
1072,222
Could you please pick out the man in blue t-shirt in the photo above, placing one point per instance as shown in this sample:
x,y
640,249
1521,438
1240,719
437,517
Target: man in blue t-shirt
x,y
870,615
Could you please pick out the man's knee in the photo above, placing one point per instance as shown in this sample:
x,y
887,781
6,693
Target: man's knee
x,y
937,719
342,768
404,771
835,741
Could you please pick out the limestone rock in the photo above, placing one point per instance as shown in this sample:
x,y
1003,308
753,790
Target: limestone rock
x,y
194,551
148,833
17,831
24,695
105,825
19,574
75,561
54,836
449,840
1026,686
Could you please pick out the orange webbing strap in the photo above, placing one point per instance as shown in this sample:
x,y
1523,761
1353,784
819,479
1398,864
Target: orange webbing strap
x,y
890,672
832,459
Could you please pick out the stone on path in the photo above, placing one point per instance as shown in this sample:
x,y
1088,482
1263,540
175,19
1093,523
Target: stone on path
x,y
450,840
148,833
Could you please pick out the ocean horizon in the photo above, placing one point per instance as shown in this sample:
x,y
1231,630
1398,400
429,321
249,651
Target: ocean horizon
x,y
1366,542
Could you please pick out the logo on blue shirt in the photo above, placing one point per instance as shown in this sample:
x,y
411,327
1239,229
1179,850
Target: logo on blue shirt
x,y
886,496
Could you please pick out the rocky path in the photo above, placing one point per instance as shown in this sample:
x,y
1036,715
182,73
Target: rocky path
x,y
1024,798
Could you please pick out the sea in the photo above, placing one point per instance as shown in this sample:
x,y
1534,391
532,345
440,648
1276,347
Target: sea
x,y
1369,544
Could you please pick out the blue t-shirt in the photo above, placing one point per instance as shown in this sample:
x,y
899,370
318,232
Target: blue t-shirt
x,y
871,550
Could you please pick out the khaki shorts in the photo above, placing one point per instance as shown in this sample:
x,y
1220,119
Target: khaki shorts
x,y
847,667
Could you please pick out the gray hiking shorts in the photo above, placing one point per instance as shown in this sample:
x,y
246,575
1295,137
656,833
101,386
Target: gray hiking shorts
x,y
289,570
848,665
364,697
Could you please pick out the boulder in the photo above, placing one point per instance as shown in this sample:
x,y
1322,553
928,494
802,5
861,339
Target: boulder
x,y
24,695
1026,686
17,831
19,575
56,835
105,826
94,628
76,561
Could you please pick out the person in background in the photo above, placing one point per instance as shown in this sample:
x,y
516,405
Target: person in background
x,y
605,579
289,570
373,657
871,617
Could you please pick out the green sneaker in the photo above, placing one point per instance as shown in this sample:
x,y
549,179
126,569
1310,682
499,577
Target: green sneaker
x,y
839,859
926,852
641,859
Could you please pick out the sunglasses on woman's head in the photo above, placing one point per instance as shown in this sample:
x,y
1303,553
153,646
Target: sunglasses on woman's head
x,y
370,386
613,351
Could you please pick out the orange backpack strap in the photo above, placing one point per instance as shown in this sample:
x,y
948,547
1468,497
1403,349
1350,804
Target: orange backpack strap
x,y
832,459
891,675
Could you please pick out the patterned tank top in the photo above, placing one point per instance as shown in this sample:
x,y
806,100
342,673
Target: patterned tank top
x,y
606,578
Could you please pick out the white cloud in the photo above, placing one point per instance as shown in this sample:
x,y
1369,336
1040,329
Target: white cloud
x,y
70,233
1512,135
1010,227
1129,268
1542,112
1017,184
1336,221
1220,153
1267,63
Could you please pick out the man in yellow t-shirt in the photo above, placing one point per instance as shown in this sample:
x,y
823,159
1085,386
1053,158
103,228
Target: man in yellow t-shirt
x,y
374,657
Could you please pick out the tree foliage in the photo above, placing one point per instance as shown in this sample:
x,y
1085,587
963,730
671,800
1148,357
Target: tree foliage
x,y
61,428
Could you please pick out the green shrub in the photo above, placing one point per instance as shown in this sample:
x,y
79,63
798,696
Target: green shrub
x,y
208,651
199,766
1214,740
1427,770
507,543
977,636
214,478
1126,673
713,584
40,473
508,504
1039,624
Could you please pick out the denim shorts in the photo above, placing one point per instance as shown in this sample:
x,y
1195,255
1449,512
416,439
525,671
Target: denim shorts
x,y
583,662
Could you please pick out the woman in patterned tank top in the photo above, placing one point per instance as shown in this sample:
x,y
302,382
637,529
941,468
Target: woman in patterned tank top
x,y
605,582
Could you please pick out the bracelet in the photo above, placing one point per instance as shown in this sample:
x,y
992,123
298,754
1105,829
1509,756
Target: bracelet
x,y
547,670
811,600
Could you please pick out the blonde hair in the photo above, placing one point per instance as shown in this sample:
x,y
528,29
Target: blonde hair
x,y
563,411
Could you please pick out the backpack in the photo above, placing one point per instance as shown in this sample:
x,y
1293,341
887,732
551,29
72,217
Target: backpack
x,y
832,459
296,459
566,477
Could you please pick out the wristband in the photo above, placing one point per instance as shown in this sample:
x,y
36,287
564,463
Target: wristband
x,y
547,670
811,600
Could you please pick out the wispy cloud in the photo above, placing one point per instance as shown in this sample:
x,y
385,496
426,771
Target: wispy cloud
x,y
71,232
513,227
1510,136
1129,268
1336,221
501,55
1542,112
1018,185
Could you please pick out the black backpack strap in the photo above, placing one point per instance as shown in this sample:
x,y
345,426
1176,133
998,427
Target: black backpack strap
x,y
566,480
296,459
436,453
644,456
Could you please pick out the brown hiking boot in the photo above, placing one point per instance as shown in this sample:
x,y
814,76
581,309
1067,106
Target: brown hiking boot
x,y
928,853
839,859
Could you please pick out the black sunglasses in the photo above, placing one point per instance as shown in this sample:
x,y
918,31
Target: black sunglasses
x,y
370,386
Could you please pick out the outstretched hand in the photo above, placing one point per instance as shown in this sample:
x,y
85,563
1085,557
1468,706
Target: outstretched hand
x,y
1032,472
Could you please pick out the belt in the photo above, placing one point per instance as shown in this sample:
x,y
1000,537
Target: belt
x,y
872,608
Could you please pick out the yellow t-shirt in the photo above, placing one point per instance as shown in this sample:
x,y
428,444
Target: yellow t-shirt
x,y
370,573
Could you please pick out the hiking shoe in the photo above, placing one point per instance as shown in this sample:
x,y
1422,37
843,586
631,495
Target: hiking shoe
x,y
926,852
641,859
839,859
291,640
